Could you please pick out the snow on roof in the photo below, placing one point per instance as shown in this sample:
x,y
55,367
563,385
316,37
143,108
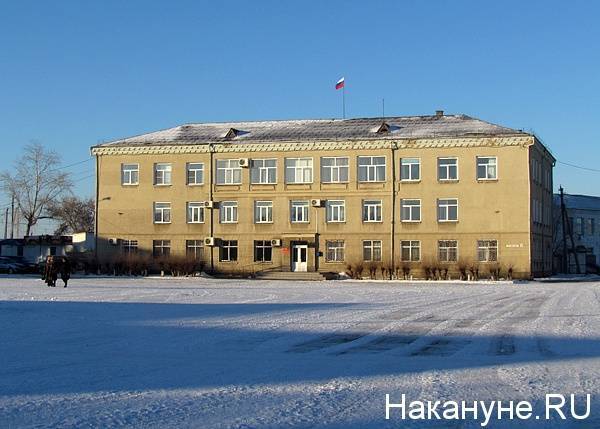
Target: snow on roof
x,y
321,129
579,202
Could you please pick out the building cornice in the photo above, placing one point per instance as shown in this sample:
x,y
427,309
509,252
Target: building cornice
x,y
291,146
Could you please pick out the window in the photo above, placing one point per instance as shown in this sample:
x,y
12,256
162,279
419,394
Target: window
x,y
229,172
487,168
371,168
263,251
195,213
161,248
372,211
194,249
162,212
590,226
487,250
448,250
372,250
411,250
130,174
263,171
299,211
228,211
263,211
447,169
336,210
448,210
334,251
228,252
298,170
162,174
410,169
129,247
195,173
579,228
334,170
411,210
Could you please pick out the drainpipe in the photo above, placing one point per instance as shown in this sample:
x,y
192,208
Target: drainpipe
x,y
393,149
96,208
211,150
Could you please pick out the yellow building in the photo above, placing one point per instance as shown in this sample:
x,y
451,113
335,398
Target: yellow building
x,y
320,195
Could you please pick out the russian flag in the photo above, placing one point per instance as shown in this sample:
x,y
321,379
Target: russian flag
x,y
339,84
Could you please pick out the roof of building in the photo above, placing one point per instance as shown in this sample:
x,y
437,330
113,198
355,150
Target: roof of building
x,y
399,127
579,202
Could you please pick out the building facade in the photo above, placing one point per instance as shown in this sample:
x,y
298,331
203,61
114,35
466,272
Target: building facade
x,y
317,195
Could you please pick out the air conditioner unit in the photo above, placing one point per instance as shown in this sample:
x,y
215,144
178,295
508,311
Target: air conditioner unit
x,y
209,204
113,241
244,162
317,203
210,241
276,242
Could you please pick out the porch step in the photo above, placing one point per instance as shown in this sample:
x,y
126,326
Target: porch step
x,y
289,275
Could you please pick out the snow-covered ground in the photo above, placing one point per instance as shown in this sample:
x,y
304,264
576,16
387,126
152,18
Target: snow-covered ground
x,y
173,353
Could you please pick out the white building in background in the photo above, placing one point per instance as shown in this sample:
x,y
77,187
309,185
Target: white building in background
x,y
35,248
583,214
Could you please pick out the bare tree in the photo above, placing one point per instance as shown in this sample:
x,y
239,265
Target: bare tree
x,y
35,182
73,214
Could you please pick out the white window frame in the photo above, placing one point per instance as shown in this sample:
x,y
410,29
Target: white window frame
x,y
481,161
447,168
227,244
232,172
194,212
263,208
196,171
266,244
297,207
372,211
371,246
163,174
164,210
409,206
410,163
335,250
129,247
335,170
412,248
335,211
129,173
302,174
263,171
228,212
445,247
194,248
161,244
486,250
444,203
371,169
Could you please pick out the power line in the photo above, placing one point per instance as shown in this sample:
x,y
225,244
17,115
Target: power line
x,y
579,166
72,165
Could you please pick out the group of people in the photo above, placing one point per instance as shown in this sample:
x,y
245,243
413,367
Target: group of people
x,y
56,265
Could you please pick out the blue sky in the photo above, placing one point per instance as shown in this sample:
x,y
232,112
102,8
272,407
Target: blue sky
x,y
74,73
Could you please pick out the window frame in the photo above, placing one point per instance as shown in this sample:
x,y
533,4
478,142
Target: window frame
x,y
447,249
162,246
410,165
331,208
478,164
411,249
371,168
129,247
303,170
261,169
487,250
411,207
195,171
129,173
335,167
197,244
227,246
371,248
266,244
365,210
337,250
228,206
300,203
232,170
165,174
447,210
162,211
447,168
257,210
190,206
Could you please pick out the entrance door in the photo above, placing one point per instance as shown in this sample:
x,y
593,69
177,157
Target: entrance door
x,y
299,257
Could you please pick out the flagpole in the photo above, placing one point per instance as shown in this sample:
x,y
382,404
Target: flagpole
x,y
344,101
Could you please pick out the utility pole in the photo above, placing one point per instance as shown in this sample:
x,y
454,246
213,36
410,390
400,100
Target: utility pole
x,y
563,214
